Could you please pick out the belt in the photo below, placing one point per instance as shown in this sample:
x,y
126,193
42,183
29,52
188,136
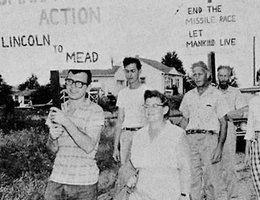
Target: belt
x,y
199,131
132,129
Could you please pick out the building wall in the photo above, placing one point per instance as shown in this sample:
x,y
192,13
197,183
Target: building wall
x,y
120,81
106,83
153,77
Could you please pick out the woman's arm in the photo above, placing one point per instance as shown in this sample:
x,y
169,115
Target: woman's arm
x,y
184,164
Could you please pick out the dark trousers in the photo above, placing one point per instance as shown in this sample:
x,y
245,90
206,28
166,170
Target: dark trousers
x,y
58,191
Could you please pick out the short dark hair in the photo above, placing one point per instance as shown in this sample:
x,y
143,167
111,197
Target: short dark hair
x,y
155,93
88,72
130,60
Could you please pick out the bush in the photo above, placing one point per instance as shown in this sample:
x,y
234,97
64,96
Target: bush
x,y
26,163
24,188
25,152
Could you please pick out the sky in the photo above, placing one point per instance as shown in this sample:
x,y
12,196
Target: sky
x,y
147,28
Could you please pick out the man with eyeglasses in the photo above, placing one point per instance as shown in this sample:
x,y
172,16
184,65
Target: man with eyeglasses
x,y
205,109
130,111
74,137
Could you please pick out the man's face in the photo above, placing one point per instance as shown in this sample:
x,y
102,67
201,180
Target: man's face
x,y
223,78
74,91
132,73
200,76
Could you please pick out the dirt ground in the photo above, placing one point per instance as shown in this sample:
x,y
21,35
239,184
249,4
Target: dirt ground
x,y
245,184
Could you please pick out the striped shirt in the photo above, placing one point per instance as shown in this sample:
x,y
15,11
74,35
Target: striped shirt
x,y
72,164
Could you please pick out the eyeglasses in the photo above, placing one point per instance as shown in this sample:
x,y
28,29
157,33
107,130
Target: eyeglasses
x,y
78,84
156,105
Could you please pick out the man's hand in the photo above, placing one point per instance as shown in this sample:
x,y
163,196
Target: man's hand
x,y
57,116
116,155
56,131
216,155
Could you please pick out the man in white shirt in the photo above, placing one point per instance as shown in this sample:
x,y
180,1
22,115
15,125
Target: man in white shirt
x,y
237,104
205,110
130,110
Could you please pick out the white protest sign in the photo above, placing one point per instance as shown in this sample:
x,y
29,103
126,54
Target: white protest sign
x,y
54,34
211,26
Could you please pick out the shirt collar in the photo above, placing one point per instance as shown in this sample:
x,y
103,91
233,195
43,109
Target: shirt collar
x,y
82,105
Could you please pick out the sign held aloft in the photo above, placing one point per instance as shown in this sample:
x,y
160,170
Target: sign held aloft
x,y
55,34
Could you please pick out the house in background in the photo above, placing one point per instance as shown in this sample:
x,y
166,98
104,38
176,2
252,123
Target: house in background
x,y
155,74
23,97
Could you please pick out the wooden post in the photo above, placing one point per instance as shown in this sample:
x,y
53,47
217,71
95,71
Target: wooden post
x,y
212,67
254,71
55,88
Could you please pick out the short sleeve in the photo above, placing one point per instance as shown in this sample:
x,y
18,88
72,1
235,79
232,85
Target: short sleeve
x,y
119,101
182,151
97,117
240,100
222,107
184,107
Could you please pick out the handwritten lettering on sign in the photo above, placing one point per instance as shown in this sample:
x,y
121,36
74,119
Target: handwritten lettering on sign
x,y
203,18
70,33
67,16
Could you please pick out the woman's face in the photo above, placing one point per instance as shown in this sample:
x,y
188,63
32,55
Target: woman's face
x,y
154,110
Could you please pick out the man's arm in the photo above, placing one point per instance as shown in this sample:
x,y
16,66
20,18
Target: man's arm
x,y
120,119
52,145
184,164
238,113
217,154
85,139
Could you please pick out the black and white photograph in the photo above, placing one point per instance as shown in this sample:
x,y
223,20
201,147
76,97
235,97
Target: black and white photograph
x,y
129,100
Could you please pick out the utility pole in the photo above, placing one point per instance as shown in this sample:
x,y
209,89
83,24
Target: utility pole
x,y
254,71
55,88
212,67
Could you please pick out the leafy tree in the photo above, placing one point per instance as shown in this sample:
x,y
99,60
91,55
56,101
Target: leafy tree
x,y
5,91
171,60
6,99
30,83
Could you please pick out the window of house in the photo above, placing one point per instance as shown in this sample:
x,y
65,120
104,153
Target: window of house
x,y
142,80
177,82
95,80
26,99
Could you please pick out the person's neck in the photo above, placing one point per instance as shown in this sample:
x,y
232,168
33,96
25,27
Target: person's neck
x,y
157,125
155,129
203,88
76,102
135,85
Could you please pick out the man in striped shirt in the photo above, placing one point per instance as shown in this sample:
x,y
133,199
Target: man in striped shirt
x,y
74,136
